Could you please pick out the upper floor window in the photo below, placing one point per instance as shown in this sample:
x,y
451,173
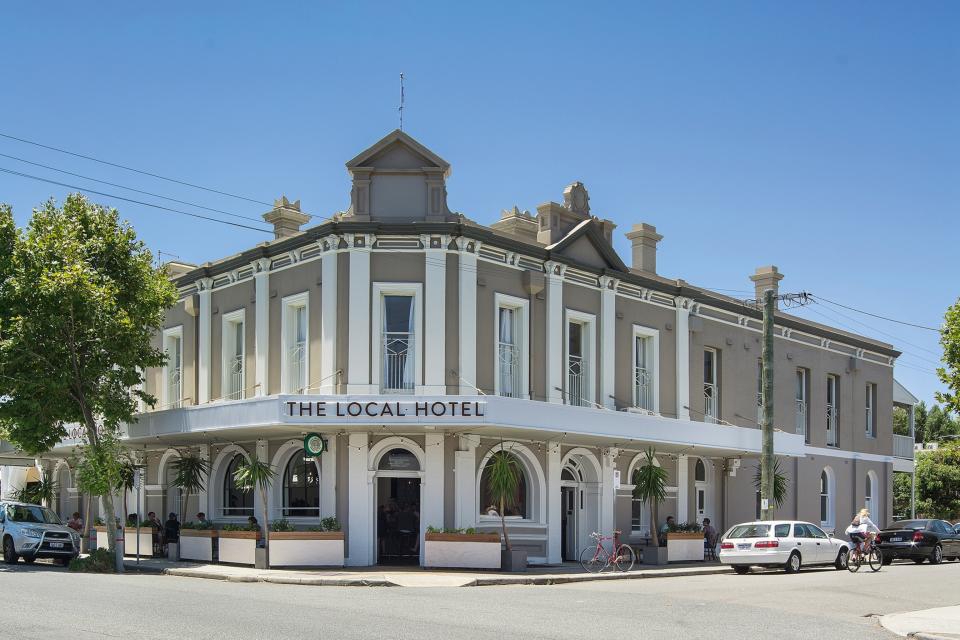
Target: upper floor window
x,y
802,404
233,350
579,357
294,351
870,417
646,388
711,386
399,343
512,355
172,383
833,410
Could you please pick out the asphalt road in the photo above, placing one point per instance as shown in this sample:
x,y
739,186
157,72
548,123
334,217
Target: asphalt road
x,y
47,602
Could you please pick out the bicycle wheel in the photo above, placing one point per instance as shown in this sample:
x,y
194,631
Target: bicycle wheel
x,y
592,560
875,559
624,558
853,561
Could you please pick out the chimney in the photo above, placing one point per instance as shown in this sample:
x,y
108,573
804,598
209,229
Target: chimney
x,y
766,278
644,238
175,269
286,218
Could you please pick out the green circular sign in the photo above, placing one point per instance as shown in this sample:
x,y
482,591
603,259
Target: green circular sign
x,y
313,444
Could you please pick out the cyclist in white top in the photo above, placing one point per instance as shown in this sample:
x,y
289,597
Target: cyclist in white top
x,y
862,528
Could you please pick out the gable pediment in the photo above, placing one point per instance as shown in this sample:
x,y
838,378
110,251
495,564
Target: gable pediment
x,y
398,151
585,244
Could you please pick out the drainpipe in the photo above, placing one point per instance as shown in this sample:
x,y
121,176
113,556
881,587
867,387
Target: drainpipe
x,y
533,284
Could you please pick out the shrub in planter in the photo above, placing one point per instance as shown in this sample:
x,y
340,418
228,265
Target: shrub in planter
x,y
98,561
461,548
197,540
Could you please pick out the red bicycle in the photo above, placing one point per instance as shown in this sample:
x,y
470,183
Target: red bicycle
x,y
597,559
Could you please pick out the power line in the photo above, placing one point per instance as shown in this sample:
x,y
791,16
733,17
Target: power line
x,y
874,315
146,204
140,171
146,193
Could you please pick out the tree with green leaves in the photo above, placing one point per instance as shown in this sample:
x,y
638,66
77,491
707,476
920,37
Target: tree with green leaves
x,y
254,474
949,374
901,421
939,425
938,482
780,483
80,301
43,492
190,477
503,479
650,486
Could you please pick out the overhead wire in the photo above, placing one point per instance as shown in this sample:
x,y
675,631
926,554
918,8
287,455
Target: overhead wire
x,y
874,315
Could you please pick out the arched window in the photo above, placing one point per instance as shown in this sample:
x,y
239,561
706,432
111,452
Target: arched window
x,y
301,488
235,501
398,460
699,472
826,500
517,505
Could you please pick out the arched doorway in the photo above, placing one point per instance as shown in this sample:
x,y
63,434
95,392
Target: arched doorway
x,y
701,489
579,501
397,507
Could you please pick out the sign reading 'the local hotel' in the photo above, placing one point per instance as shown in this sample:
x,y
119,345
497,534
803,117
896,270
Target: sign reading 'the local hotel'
x,y
429,410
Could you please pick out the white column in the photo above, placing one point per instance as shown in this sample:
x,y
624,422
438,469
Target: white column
x,y
608,494
467,271
203,340
328,322
263,455
431,507
360,337
608,304
466,509
554,332
261,284
683,488
360,544
554,505
203,498
682,332
328,478
434,320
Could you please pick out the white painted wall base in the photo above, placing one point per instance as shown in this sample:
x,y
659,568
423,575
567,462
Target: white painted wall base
x,y
306,553
196,548
238,550
684,550
130,542
467,555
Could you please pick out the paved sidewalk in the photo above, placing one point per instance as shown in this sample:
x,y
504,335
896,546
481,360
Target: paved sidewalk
x,y
932,624
412,576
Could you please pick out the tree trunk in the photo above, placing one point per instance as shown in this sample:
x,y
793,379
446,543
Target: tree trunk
x,y
503,525
266,522
654,532
87,528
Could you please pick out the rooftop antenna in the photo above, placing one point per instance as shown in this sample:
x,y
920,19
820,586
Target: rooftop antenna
x,y
160,255
400,110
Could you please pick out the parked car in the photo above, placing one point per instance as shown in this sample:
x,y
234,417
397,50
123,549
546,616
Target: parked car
x,y
30,531
919,540
956,527
781,543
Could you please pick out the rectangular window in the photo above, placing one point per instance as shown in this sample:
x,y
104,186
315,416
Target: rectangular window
x,y
870,418
579,379
711,388
399,353
511,378
646,364
639,518
833,410
173,370
801,405
233,350
295,353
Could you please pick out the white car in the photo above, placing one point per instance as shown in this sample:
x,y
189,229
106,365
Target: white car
x,y
781,543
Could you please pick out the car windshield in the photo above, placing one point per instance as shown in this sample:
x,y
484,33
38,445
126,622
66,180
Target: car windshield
x,y
909,524
32,513
749,531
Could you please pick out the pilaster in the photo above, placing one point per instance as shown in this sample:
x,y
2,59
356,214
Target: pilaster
x,y
466,509
360,335
467,273
431,509
554,331
608,494
434,317
263,455
203,497
204,339
554,505
683,487
608,303
328,320
261,283
359,491
682,333
328,478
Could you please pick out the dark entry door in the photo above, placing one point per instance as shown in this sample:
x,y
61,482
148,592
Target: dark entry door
x,y
398,520
568,523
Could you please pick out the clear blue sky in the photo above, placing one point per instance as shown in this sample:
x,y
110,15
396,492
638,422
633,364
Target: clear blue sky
x,y
817,137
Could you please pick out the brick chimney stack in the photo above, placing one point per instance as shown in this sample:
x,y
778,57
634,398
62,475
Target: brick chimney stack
x,y
286,218
644,238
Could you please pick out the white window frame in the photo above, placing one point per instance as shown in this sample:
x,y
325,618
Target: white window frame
x,y
589,322
870,409
166,402
804,375
715,383
835,379
831,496
286,318
652,336
381,289
228,349
521,306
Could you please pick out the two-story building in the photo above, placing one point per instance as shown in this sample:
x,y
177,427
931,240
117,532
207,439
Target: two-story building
x,y
417,342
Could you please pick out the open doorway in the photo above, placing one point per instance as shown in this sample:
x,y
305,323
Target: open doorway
x,y
398,520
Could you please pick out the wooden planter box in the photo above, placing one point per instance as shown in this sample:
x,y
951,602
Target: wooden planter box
x,y
238,547
130,541
306,548
102,541
462,550
197,544
685,547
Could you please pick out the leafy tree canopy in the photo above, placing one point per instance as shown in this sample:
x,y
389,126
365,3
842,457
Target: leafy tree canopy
x,y
938,482
949,374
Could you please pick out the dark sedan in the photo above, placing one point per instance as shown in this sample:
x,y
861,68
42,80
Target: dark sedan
x,y
919,540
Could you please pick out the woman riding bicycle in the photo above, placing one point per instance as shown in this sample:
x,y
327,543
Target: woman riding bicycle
x,y
862,529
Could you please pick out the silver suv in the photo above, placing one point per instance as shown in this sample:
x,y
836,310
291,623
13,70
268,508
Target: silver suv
x,y
30,531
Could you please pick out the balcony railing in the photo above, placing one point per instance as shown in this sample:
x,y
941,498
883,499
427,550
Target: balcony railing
x,y
801,418
576,377
903,447
510,371
643,388
710,413
235,379
297,367
831,425
174,388
398,362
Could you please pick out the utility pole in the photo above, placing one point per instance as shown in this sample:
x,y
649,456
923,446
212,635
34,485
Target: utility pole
x,y
766,426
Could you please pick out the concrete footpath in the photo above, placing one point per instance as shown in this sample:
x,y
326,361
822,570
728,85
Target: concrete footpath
x,y
412,576
927,624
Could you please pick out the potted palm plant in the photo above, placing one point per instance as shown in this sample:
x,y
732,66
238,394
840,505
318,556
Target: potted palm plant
x,y
255,474
650,486
43,492
502,482
196,538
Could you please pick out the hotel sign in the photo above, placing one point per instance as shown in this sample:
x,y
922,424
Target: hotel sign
x,y
380,411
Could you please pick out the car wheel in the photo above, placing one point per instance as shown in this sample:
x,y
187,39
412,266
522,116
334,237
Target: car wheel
x,y
793,563
887,560
842,558
918,560
936,556
741,569
29,559
9,551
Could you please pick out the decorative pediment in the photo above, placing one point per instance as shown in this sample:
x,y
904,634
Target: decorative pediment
x,y
585,244
398,150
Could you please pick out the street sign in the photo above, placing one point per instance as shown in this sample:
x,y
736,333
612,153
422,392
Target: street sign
x,y
616,478
764,504
313,445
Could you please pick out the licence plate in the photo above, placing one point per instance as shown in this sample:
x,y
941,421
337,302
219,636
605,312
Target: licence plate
x,y
56,545
896,539
744,545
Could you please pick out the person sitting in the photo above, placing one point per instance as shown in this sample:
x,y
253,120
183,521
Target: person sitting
x,y
202,521
75,522
664,529
171,529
